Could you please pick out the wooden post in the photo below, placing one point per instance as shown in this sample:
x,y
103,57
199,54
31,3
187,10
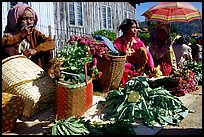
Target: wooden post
x,y
49,31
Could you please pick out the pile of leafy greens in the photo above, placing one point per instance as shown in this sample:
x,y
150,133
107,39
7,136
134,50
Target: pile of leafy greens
x,y
138,101
75,54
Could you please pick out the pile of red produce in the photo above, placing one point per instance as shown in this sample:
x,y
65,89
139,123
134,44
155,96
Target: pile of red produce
x,y
96,48
185,82
179,83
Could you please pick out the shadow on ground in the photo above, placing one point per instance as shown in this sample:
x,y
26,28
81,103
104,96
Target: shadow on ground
x,y
181,131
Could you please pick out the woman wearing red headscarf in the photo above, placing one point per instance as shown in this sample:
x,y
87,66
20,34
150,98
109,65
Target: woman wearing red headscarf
x,y
21,37
162,51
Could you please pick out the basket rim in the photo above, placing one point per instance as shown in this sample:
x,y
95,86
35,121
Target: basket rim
x,y
75,85
12,57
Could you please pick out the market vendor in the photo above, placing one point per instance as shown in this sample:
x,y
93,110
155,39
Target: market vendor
x,y
21,37
161,50
139,58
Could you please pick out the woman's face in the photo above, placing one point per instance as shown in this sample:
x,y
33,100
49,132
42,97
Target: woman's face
x,y
161,35
132,30
27,19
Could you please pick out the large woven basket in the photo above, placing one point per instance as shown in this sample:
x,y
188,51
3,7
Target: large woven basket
x,y
24,78
12,108
73,99
112,70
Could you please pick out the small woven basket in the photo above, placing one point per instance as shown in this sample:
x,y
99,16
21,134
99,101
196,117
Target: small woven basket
x,y
12,108
22,77
73,99
112,70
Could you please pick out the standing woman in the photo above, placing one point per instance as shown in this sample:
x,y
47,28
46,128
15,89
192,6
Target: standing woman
x,y
162,51
21,37
182,51
139,58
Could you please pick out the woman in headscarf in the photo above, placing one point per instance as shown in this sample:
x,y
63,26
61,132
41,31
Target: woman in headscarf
x,y
182,51
21,37
138,59
161,50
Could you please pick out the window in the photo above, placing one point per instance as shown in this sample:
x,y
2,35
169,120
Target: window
x,y
126,14
14,3
106,17
75,13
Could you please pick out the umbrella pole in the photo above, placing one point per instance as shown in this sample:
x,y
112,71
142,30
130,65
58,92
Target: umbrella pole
x,y
169,24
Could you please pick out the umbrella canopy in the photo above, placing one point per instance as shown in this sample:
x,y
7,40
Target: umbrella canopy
x,y
172,12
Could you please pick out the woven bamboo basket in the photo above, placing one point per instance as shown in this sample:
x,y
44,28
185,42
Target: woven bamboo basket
x,y
24,78
112,70
73,99
12,108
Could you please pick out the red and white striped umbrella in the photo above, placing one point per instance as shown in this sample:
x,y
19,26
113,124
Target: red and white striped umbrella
x,y
172,12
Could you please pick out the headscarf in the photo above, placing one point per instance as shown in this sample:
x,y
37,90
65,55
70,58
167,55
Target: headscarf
x,y
14,15
155,31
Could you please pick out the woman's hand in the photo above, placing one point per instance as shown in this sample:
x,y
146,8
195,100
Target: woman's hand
x,y
26,30
29,52
153,70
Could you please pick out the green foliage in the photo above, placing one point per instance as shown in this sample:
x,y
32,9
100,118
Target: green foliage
x,y
74,57
145,38
172,36
192,40
106,33
154,105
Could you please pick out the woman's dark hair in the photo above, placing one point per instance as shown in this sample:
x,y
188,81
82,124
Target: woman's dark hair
x,y
126,24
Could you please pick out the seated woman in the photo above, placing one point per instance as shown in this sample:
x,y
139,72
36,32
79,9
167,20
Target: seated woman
x,y
139,58
21,37
161,50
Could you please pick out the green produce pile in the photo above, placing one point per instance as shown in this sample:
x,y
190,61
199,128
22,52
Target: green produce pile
x,y
138,101
74,55
70,126
73,126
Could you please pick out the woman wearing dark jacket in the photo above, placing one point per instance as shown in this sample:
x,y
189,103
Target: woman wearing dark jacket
x,y
21,37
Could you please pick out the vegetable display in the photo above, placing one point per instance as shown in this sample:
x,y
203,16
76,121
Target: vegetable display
x,y
196,67
74,55
179,83
81,126
70,126
149,105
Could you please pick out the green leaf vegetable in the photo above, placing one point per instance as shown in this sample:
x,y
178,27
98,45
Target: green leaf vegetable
x,y
152,105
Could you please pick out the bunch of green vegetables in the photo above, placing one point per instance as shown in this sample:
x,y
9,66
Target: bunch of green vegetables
x,y
70,126
74,56
138,101
81,126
